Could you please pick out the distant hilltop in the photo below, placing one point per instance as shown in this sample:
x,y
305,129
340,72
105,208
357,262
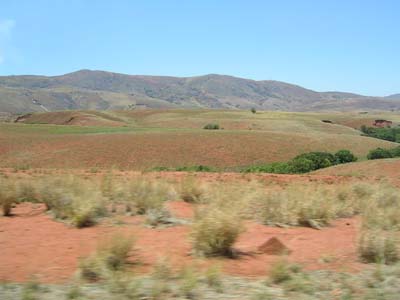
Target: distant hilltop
x,y
100,90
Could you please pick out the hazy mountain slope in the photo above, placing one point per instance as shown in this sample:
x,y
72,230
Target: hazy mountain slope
x,y
99,90
395,97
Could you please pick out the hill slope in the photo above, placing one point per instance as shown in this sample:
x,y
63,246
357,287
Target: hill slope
x,y
99,90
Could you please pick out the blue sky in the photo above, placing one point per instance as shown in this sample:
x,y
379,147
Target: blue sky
x,y
346,45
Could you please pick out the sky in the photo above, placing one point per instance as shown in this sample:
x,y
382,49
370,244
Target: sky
x,y
324,45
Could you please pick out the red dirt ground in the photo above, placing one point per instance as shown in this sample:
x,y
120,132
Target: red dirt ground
x,y
32,244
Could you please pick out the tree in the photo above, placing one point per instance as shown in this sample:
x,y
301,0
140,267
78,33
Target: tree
x,y
301,165
319,159
344,156
253,110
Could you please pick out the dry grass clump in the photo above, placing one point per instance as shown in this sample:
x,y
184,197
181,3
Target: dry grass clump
x,y
214,231
189,282
145,195
304,205
191,190
14,191
111,255
378,246
382,209
74,200
282,271
114,191
379,237
213,277
8,195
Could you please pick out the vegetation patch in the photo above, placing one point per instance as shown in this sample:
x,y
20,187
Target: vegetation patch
x,y
380,153
386,133
211,126
305,163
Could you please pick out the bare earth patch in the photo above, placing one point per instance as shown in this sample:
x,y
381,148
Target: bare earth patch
x,y
33,244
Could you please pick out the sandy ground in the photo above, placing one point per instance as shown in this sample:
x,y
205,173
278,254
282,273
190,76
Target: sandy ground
x,y
33,244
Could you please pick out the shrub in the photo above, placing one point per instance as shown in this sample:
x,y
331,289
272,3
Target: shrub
x,y
253,110
211,126
214,232
378,247
379,153
344,156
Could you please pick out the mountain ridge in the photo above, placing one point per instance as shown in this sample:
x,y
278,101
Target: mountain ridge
x,y
102,90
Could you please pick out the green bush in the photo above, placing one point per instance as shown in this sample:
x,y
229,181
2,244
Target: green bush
x,y
319,159
395,151
379,153
388,134
304,163
301,165
211,126
277,168
344,156
196,168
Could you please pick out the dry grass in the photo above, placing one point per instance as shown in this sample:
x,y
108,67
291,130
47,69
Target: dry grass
x,y
214,231
73,199
112,255
378,246
191,190
146,195
8,196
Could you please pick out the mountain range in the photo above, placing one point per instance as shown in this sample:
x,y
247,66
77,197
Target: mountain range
x,y
100,90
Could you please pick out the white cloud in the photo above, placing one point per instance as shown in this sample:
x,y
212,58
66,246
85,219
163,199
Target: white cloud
x,y
6,27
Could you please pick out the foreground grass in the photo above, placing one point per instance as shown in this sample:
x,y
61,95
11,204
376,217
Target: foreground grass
x,y
380,282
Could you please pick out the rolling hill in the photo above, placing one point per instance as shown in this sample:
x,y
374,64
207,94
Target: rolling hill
x,y
100,90
143,139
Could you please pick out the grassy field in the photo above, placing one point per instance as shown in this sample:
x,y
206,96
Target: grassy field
x,y
141,140
383,168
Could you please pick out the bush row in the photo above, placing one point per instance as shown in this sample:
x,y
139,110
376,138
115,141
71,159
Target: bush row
x,y
195,168
306,162
379,153
388,134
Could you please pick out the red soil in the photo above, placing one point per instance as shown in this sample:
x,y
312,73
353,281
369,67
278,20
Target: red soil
x,y
32,244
